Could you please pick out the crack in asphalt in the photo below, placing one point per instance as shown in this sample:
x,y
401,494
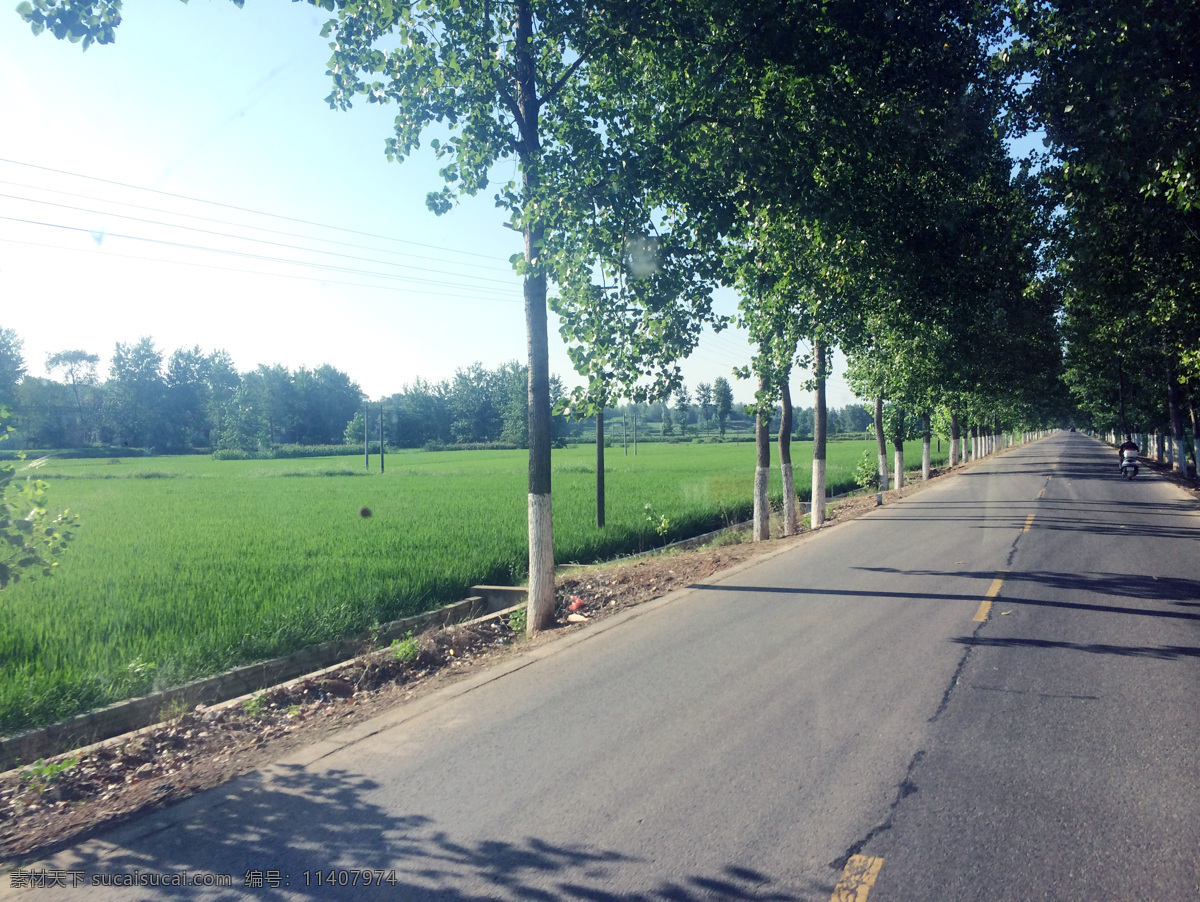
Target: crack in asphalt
x,y
1012,552
906,788
957,676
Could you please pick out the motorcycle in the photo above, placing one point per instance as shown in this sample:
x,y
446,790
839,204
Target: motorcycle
x,y
1129,463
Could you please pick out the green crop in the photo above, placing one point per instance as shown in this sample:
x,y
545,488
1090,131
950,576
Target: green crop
x,y
200,565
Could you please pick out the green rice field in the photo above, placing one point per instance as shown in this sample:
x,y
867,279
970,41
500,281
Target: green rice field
x,y
185,566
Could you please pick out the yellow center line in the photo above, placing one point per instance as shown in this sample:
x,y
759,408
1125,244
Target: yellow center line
x,y
857,879
1042,493
1028,523
986,605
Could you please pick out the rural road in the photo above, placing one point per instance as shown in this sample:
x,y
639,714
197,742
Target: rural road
x,y
987,690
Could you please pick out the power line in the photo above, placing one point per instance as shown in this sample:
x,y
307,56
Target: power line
x,y
238,225
284,261
214,203
280,244
256,272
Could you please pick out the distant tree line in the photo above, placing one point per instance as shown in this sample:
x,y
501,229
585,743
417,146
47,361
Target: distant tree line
x,y
192,400
476,406
186,401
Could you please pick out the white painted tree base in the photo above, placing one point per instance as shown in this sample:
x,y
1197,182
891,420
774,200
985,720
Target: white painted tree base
x,y
540,612
817,515
762,505
791,517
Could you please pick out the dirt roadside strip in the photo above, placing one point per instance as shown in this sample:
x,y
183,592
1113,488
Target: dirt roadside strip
x,y
47,806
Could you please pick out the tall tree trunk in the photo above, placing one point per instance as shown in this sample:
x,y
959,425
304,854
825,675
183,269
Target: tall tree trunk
x,y
1195,435
762,472
881,442
540,611
1178,454
898,446
600,467
1121,396
541,516
955,437
820,426
925,449
791,518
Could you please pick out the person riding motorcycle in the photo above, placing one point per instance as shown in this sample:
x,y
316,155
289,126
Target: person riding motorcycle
x,y
1128,445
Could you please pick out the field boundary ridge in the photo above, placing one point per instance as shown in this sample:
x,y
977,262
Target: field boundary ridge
x,y
133,714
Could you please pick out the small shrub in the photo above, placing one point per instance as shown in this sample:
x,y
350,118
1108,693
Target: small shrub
x,y
660,522
518,620
173,710
729,537
39,775
866,471
406,649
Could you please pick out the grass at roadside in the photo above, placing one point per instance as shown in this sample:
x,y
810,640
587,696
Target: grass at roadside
x,y
186,566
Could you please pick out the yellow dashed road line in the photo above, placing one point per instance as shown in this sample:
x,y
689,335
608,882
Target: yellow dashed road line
x,y
986,605
1028,523
857,879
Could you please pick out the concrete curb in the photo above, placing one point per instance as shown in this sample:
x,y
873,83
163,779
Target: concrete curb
x,y
134,714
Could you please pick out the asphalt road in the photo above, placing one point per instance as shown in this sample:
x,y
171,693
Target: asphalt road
x,y
985,691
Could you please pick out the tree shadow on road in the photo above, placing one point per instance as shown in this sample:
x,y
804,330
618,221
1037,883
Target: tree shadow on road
x,y
1158,653
1182,508
1160,588
288,833
1170,590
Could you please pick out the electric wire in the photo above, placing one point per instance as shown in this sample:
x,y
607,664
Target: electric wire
x,y
243,254
279,244
214,203
237,225
462,295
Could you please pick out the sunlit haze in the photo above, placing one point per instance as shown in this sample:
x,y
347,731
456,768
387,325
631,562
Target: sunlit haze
x,y
190,183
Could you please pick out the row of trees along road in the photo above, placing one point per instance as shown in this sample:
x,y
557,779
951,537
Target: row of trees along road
x,y
843,167
1116,87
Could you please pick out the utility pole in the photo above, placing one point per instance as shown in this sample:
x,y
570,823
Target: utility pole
x,y
367,438
600,466
380,438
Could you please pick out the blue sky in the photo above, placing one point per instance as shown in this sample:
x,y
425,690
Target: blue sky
x,y
207,101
